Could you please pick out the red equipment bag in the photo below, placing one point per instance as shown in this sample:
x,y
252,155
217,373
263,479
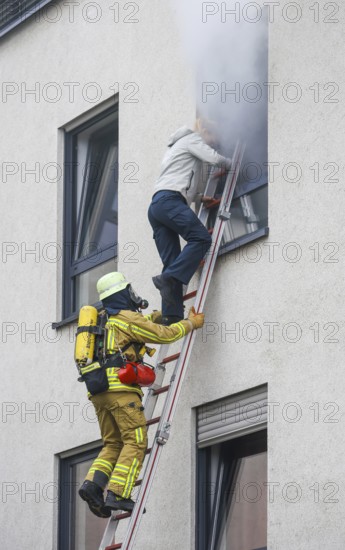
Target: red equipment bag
x,y
137,373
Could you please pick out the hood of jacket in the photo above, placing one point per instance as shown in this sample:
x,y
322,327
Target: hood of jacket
x,y
180,133
119,301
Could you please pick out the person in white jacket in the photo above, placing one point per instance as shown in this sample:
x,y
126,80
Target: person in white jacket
x,y
170,214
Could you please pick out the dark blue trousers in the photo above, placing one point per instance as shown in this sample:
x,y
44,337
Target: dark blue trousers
x,y
170,216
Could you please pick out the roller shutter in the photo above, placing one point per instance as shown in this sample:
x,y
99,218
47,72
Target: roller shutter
x,y
233,416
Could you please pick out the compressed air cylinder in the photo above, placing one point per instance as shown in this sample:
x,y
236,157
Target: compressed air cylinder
x,y
85,341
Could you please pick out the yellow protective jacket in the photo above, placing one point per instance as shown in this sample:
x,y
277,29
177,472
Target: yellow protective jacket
x,y
130,326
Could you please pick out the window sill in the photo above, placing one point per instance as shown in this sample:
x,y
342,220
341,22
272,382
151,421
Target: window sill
x,y
72,318
245,239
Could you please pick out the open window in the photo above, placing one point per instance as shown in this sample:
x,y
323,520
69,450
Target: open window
x,y
249,212
234,86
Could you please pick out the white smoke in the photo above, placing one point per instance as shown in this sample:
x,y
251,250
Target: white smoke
x,y
228,52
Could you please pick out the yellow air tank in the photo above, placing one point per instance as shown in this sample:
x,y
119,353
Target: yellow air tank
x,y
85,341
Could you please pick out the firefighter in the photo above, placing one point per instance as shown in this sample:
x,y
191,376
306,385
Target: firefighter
x,y
119,409
170,214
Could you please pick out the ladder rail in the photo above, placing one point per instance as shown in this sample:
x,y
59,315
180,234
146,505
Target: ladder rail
x,y
182,362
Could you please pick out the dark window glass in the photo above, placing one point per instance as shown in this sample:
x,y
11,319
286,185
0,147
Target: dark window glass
x,y
232,494
79,529
91,208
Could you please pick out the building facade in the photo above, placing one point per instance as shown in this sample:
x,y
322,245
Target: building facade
x,y
90,94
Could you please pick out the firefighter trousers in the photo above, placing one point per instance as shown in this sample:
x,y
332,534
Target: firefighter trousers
x,y
123,428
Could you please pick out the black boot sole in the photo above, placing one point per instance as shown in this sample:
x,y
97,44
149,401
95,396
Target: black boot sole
x,y
99,511
116,506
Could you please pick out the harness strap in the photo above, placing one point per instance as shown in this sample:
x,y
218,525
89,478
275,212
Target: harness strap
x,y
116,360
91,329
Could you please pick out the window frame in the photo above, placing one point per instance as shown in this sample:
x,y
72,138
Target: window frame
x,y
71,268
202,527
241,189
17,19
66,513
225,421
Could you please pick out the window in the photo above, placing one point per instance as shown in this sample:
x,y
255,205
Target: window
x,y
238,104
12,13
79,529
232,473
91,208
249,214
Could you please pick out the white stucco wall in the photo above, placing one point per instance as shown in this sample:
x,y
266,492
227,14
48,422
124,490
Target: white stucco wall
x,y
247,294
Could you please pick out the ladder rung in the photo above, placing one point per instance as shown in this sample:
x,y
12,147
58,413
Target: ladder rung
x,y
189,295
163,389
125,515
153,421
171,358
138,482
114,546
147,452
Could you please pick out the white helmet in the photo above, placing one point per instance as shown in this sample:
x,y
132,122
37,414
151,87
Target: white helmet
x,y
110,284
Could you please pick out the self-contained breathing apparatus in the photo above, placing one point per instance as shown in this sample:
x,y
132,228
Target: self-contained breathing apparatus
x,y
92,358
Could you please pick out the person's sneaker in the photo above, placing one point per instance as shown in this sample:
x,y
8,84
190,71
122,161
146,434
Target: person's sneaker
x,y
93,495
115,502
170,319
167,288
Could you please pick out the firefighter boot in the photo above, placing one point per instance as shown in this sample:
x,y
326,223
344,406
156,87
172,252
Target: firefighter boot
x,y
93,495
167,288
115,502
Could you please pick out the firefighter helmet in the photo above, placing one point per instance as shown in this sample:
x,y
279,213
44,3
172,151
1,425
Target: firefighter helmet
x,y
110,284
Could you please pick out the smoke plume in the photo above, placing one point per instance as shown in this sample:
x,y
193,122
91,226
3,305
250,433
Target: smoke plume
x,y
226,44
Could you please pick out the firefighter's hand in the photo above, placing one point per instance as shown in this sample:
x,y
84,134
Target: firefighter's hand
x,y
197,319
219,173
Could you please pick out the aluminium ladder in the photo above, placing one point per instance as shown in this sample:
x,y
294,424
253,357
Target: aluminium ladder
x,y
173,389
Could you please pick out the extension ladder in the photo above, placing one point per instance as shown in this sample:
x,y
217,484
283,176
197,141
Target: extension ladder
x,y
174,387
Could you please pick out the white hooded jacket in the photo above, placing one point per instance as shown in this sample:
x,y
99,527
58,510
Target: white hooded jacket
x,y
182,163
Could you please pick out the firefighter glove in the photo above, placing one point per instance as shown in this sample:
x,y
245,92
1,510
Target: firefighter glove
x,y
197,319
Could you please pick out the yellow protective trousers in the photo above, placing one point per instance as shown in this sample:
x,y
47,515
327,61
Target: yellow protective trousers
x,y
123,429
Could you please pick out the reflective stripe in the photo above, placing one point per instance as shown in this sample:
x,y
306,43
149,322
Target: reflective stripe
x,y
147,333
111,325
111,341
130,479
103,463
121,467
117,323
139,435
115,383
118,480
90,368
138,330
